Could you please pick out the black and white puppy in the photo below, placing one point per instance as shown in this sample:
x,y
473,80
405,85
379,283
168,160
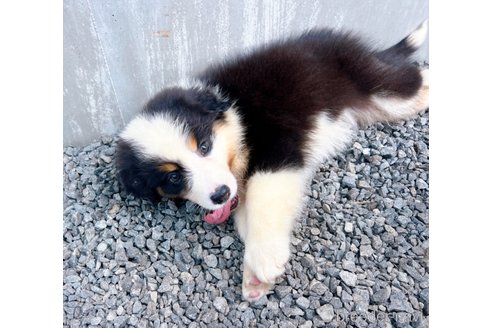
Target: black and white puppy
x,y
248,134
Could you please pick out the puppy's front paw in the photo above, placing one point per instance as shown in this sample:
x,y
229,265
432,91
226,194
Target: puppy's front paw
x,y
253,288
266,257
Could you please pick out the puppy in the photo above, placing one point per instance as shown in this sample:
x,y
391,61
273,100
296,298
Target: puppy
x,y
247,135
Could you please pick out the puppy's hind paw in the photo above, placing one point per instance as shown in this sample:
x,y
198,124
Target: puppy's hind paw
x,y
425,77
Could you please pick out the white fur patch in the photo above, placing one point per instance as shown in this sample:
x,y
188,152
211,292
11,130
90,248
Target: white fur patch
x,y
418,36
394,107
157,136
329,137
399,109
425,77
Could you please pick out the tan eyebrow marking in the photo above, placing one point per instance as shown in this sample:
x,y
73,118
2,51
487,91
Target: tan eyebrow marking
x,y
168,167
192,143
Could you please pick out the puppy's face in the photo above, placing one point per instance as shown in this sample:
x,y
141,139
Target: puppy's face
x,y
182,145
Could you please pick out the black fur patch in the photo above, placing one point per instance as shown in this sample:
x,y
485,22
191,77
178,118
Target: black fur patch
x,y
198,109
280,88
142,177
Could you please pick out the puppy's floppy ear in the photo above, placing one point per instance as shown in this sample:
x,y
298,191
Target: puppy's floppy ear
x,y
213,103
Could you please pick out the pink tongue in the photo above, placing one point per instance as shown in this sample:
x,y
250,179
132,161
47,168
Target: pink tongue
x,y
220,215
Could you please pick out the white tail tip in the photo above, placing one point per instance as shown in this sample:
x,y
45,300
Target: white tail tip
x,y
418,36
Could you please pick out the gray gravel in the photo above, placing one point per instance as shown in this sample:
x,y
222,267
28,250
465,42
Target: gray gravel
x,y
360,249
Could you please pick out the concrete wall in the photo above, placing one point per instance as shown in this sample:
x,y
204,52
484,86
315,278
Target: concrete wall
x,y
117,54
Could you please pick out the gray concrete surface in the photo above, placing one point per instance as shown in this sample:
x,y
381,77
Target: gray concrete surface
x,y
117,54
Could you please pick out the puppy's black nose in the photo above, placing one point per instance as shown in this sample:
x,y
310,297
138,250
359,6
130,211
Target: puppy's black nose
x,y
220,195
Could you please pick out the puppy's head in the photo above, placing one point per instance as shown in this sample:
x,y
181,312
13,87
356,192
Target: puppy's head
x,y
182,145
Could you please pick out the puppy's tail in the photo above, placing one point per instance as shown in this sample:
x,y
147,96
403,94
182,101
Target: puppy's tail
x,y
408,45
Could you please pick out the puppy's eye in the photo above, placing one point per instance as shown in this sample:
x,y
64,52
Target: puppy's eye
x,y
204,147
174,177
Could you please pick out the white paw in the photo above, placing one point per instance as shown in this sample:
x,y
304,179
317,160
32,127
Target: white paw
x,y
267,256
253,288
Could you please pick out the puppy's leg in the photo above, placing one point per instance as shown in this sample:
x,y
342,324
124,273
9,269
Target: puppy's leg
x,y
386,106
273,201
394,108
251,286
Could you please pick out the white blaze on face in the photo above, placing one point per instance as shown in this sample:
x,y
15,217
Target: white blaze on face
x,y
162,137
209,172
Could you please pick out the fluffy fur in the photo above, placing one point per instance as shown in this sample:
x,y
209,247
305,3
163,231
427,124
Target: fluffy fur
x,y
254,129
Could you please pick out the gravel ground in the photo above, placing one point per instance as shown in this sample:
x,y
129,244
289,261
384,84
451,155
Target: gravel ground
x,y
360,249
